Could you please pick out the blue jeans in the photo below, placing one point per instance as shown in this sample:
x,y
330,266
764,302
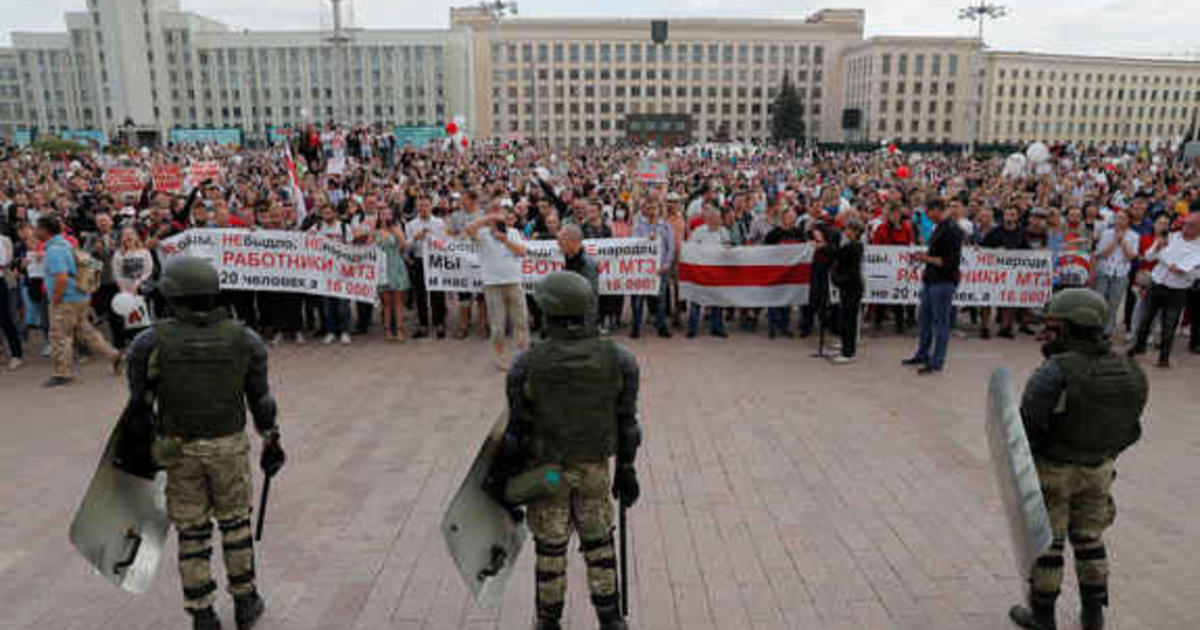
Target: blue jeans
x,y
658,303
716,317
934,318
779,319
336,316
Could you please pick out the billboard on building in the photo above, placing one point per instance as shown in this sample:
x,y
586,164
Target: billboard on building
x,y
91,137
206,136
418,136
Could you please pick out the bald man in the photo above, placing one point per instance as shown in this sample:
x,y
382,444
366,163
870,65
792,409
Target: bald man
x,y
570,241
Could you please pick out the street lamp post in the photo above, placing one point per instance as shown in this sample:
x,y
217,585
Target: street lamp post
x,y
979,13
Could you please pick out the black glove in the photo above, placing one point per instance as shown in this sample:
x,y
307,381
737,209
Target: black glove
x,y
625,485
272,457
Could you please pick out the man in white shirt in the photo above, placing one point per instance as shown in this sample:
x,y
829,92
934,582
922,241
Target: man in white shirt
x,y
501,249
1116,251
1177,270
420,230
711,234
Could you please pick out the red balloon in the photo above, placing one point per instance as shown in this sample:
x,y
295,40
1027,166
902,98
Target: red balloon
x,y
464,142
891,149
451,128
903,171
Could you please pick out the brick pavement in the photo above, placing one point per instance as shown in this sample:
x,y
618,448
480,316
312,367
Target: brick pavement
x,y
778,492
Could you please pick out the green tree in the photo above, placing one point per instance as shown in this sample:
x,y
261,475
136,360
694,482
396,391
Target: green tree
x,y
787,122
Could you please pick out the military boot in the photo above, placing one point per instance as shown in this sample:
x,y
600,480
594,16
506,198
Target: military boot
x,y
618,624
1034,617
547,624
1092,616
247,609
204,619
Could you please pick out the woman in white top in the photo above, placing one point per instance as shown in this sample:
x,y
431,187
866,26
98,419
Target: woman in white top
x,y
7,324
132,264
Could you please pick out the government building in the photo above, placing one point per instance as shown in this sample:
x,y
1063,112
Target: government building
x,y
149,71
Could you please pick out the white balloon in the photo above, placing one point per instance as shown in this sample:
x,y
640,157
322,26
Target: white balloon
x,y
1038,152
124,303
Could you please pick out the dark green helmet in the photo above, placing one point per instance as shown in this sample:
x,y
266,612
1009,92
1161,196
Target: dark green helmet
x,y
564,294
189,277
1082,307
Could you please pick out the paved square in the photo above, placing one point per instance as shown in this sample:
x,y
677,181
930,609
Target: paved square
x,y
779,492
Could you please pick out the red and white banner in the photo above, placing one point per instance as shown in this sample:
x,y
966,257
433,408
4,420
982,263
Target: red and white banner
x,y
167,178
761,276
122,180
754,276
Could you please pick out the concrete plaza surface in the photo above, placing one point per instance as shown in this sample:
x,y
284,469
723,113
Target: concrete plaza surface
x,y
778,492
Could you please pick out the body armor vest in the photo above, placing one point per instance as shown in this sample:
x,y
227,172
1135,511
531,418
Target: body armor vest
x,y
574,385
201,376
1105,396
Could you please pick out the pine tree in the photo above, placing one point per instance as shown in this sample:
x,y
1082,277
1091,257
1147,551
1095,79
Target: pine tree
x,y
787,122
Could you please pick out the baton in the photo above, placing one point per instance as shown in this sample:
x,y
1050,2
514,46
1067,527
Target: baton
x,y
262,508
624,563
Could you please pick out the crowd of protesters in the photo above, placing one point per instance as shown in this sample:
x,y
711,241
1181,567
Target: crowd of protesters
x,y
1108,216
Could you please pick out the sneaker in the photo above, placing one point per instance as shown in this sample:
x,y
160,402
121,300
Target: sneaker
x,y
721,334
1006,333
345,339
1129,337
985,333
277,339
842,360
300,340
1163,363
330,338
57,381
15,364
46,351
441,333
664,333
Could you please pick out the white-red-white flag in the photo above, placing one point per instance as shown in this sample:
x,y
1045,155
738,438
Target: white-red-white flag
x,y
297,193
752,277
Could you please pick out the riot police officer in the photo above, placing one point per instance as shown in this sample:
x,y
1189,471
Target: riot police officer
x,y
194,376
1080,409
573,404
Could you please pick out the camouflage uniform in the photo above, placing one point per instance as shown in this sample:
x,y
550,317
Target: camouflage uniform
x,y
573,402
197,375
1081,409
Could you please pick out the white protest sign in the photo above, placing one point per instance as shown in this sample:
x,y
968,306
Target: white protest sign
x,y
270,260
627,266
989,277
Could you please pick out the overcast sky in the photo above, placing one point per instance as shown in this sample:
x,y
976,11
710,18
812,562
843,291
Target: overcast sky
x,y
1113,27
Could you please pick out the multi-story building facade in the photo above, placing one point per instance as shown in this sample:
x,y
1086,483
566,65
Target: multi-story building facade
x,y
147,66
1090,100
572,82
915,89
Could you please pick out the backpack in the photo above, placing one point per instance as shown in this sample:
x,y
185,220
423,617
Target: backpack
x,y
87,271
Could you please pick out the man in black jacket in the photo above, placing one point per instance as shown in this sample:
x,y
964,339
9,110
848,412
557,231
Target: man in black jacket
x,y
847,277
570,241
942,263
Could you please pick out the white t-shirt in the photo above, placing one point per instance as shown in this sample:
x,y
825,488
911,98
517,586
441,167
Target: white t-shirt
x,y
433,224
705,235
499,264
1181,253
1116,263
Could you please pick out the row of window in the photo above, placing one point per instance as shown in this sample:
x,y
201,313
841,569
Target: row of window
x,y
681,52
650,91
712,126
357,55
918,65
914,126
1125,130
409,93
916,108
917,87
1099,77
575,74
287,111
620,108
1109,93
1062,110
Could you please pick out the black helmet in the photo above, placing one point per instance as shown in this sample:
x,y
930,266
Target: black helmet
x,y
189,277
564,294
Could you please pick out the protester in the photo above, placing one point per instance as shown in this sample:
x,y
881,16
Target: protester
x,y
392,243
1009,235
942,262
713,233
1117,249
648,225
501,249
7,308
847,277
68,307
423,228
575,258
1177,270
779,318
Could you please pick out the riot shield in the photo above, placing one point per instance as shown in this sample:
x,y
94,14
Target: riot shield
x,y
121,524
482,537
1020,491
